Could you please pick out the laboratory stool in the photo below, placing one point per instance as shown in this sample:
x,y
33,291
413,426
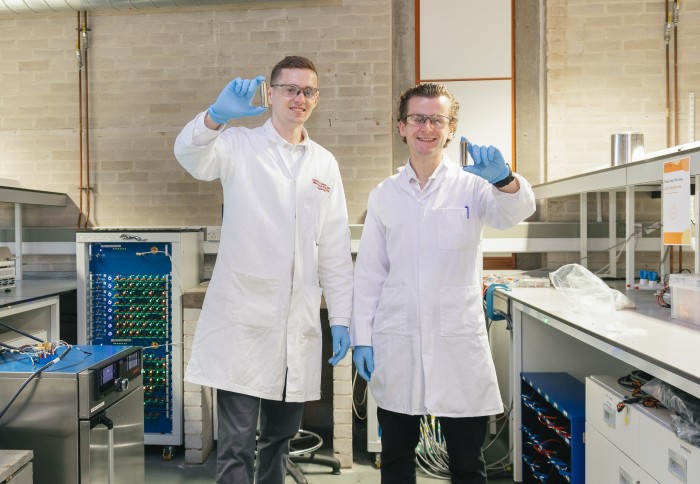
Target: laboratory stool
x,y
302,450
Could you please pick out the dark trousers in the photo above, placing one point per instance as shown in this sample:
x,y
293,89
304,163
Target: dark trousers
x,y
238,424
464,438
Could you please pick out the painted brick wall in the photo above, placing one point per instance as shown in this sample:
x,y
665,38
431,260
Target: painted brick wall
x,y
152,71
606,75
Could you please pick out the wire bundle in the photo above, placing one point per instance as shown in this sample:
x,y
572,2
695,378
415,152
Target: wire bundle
x,y
431,452
36,373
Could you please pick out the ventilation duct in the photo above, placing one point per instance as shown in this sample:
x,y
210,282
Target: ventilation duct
x,y
18,7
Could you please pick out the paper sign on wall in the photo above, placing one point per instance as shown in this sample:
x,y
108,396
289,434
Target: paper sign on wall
x,y
676,202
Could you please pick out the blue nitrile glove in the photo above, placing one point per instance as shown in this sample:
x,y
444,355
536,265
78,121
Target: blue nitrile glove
x,y
341,343
363,357
488,163
234,100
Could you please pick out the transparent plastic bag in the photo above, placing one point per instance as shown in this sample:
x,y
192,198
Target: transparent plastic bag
x,y
684,404
587,292
685,430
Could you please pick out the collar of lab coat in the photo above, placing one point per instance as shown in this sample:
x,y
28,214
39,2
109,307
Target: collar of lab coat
x,y
274,136
406,174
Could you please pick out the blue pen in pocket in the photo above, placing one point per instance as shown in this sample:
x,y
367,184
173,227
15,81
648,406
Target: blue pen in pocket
x,y
467,207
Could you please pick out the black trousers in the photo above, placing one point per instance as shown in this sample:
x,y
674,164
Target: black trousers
x,y
464,438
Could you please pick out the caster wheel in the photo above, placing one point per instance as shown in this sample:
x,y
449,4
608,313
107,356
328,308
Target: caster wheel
x,y
168,453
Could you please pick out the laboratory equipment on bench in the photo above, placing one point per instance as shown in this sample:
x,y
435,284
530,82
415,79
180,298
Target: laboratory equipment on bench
x,y
82,417
130,286
7,269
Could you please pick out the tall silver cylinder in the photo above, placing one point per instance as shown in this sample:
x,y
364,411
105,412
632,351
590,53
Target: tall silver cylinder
x,y
463,151
625,147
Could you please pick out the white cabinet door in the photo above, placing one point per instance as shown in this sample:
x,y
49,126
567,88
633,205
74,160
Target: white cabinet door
x,y
605,463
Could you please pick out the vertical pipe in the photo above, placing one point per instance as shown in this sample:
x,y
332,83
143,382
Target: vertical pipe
x,y
88,190
668,73
676,5
80,126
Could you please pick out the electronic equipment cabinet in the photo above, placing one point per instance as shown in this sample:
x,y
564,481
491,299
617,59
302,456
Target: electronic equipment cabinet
x,y
553,420
130,286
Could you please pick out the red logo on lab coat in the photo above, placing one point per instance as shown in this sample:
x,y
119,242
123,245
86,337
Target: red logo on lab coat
x,y
321,185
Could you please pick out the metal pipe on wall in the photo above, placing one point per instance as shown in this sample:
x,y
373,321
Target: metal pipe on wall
x,y
676,10
84,187
79,56
88,188
667,42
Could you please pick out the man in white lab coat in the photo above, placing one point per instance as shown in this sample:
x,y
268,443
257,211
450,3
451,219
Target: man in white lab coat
x,y
285,239
418,328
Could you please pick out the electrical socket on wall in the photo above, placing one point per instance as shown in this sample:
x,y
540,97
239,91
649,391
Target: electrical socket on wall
x,y
213,234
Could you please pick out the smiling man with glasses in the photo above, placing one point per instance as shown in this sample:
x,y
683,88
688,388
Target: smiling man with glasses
x,y
418,328
285,240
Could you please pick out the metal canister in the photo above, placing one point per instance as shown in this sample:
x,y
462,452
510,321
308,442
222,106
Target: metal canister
x,y
626,147
463,152
262,90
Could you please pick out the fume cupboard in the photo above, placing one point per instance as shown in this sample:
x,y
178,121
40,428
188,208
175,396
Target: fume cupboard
x,y
130,286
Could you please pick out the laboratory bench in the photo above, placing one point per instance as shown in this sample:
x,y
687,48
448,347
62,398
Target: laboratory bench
x,y
16,466
34,306
549,335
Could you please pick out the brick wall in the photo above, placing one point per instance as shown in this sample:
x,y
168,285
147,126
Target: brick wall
x,y
606,75
151,71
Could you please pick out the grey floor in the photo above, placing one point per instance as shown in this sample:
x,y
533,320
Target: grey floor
x,y
176,471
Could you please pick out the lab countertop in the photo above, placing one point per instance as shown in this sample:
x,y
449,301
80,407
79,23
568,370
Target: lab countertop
x,y
647,332
12,461
32,289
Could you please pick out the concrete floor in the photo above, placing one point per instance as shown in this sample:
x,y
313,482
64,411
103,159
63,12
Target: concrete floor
x,y
363,471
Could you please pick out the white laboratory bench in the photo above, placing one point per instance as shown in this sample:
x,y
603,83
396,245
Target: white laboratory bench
x,y
33,306
550,336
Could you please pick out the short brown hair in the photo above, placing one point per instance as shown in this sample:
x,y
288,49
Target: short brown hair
x,y
291,62
430,90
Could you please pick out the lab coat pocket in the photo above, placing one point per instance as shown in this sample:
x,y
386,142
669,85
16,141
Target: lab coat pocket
x,y
392,313
253,301
460,311
457,228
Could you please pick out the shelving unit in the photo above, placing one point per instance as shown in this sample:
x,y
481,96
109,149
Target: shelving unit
x,y
630,178
553,422
23,196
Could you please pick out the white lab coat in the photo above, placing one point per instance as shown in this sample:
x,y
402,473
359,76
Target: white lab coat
x,y
283,239
417,291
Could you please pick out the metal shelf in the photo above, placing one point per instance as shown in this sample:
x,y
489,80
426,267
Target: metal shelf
x,y
23,196
32,197
642,172
630,177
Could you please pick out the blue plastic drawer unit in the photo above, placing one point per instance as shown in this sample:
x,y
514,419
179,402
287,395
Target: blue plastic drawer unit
x,y
553,422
